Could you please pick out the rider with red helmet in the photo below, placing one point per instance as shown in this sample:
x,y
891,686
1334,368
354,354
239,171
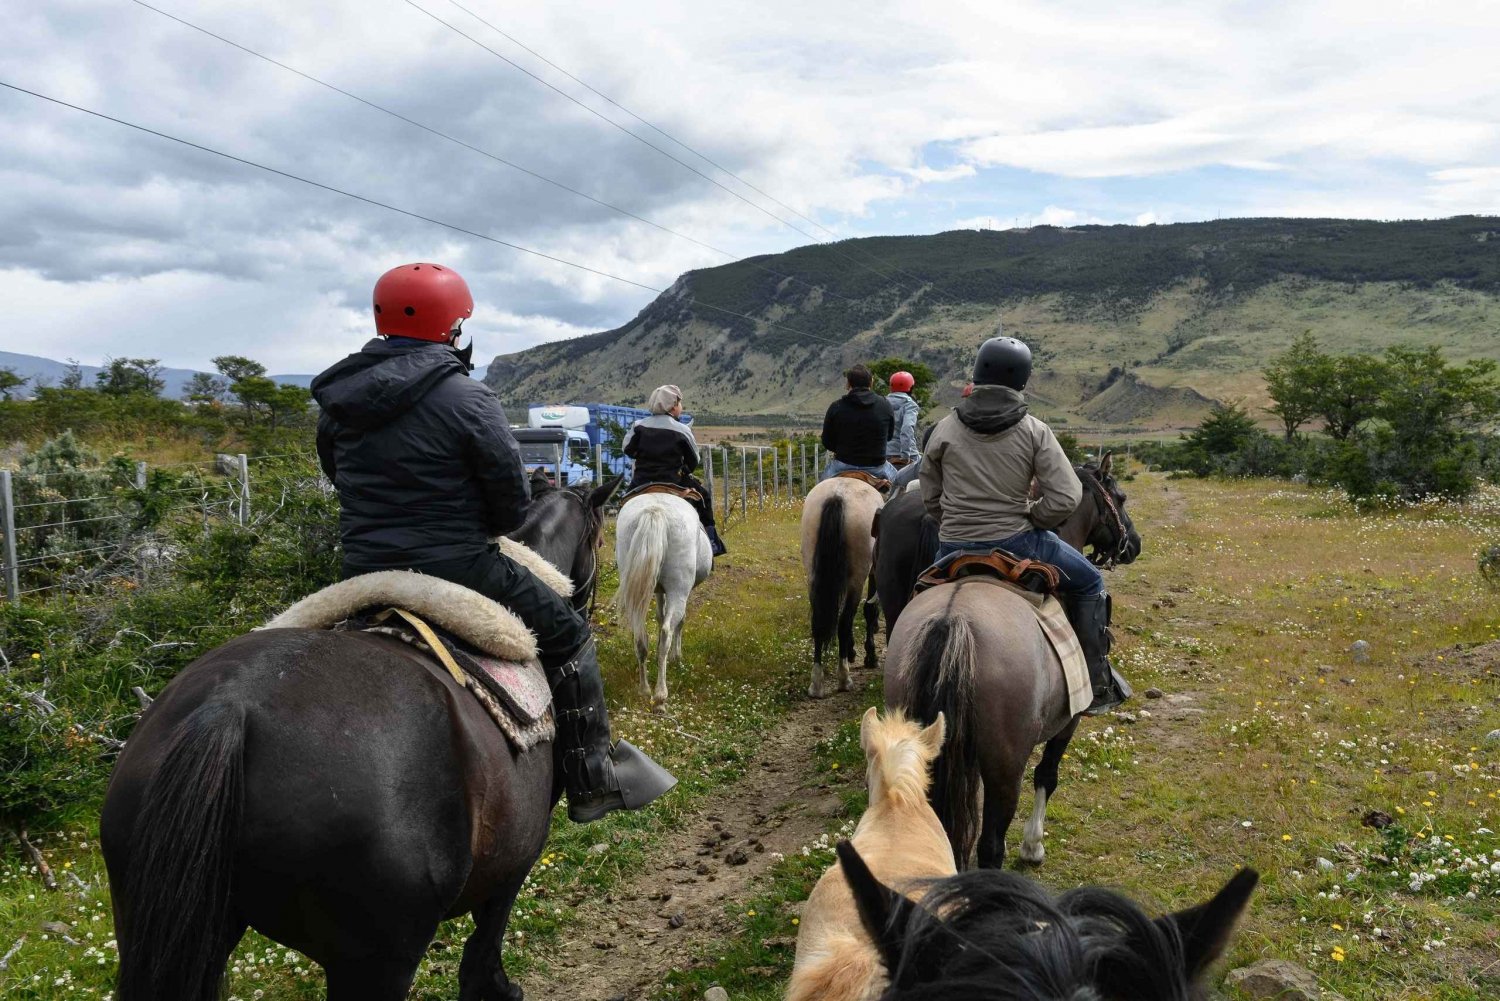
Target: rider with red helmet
x,y
902,449
427,474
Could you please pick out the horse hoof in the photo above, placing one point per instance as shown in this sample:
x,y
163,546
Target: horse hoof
x,y
1033,855
815,692
848,685
659,706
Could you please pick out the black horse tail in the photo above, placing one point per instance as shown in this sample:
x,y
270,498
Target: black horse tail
x,y
938,675
830,572
175,912
927,545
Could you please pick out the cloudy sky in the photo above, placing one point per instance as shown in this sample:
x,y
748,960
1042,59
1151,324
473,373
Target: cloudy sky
x,y
868,118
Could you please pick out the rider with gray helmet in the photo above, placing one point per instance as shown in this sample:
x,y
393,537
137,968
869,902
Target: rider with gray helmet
x,y
977,474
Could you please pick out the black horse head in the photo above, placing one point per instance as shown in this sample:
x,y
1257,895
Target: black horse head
x,y
1113,537
993,934
566,526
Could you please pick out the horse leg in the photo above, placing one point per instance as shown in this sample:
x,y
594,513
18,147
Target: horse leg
x,y
1000,800
673,611
846,640
872,624
1044,782
643,651
481,974
371,978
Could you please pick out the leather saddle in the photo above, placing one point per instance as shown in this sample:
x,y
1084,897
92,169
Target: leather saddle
x,y
870,479
1030,575
686,493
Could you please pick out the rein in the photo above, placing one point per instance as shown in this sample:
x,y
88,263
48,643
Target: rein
x,y
1104,502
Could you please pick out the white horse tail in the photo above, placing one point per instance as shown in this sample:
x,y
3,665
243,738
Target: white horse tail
x,y
640,567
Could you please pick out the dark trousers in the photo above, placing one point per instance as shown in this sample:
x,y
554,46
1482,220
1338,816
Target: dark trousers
x,y
560,631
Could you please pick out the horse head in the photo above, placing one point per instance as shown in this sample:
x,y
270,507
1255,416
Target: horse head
x,y
1109,529
990,933
566,526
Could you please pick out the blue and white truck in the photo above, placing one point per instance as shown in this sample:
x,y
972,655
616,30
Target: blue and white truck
x,y
562,438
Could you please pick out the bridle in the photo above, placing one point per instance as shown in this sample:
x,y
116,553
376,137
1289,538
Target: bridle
x,y
1104,502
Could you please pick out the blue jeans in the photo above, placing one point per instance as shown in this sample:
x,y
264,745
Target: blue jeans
x,y
885,470
1079,576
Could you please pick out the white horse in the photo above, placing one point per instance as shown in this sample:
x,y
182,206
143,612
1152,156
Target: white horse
x,y
661,549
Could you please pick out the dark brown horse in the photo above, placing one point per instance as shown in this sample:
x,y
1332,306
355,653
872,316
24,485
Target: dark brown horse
x,y
338,793
975,653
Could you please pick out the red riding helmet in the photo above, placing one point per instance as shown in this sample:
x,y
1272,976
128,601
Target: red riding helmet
x,y
424,301
901,382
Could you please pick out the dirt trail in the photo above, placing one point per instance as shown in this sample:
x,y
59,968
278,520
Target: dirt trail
x,y
622,946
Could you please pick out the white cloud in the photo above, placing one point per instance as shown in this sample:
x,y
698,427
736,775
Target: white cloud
x,y
111,239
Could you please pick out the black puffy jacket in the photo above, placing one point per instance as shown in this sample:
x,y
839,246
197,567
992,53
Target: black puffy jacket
x,y
421,454
663,448
857,427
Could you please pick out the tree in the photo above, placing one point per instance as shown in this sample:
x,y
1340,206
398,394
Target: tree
x,y
1348,393
236,367
883,369
129,376
1293,380
10,381
205,388
261,396
72,376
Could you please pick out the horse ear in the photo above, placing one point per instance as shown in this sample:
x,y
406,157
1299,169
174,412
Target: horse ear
x,y
883,911
1106,463
934,735
866,722
1205,929
600,496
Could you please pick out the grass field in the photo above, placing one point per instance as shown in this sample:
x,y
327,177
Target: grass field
x,y
1270,747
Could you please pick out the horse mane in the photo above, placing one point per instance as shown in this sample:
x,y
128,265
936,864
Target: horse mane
x,y
1000,935
900,762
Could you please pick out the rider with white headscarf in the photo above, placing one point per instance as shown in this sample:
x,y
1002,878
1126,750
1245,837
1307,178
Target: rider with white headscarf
x,y
665,451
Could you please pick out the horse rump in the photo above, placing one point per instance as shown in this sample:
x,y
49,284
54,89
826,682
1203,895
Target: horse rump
x,y
174,914
938,673
640,566
830,571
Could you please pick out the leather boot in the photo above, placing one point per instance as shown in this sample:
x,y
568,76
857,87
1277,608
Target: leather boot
x,y
1089,615
715,543
598,777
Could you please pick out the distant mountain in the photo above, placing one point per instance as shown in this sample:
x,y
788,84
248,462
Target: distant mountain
x,y
1142,325
32,367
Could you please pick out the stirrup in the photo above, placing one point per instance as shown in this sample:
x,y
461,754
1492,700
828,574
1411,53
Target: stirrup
x,y
639,782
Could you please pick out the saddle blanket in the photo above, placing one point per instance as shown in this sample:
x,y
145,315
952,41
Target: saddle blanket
x,y
494,650
1059,632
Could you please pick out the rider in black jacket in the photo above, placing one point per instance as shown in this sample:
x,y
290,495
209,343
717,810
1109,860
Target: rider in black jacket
x,y
427,474
857,427
665,451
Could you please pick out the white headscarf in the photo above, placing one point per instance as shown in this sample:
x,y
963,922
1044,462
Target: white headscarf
x,y
663,399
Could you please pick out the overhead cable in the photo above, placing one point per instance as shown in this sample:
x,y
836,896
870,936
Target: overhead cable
x,y
482,152
677,160
406,212
666,135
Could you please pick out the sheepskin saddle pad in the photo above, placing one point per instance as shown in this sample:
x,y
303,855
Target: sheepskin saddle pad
x,y
481,643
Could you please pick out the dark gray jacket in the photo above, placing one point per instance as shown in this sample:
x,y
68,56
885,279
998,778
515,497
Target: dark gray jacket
x,y
422,457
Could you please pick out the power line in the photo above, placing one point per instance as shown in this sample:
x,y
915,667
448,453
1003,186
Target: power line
x,y
666,135
406,212
497,158
646,142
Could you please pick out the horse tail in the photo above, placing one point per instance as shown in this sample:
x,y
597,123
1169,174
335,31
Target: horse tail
x,y
176,907
640,565
927,546
938,672
830,570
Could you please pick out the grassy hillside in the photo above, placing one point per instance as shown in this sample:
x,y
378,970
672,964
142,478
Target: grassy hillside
x,y
1191,311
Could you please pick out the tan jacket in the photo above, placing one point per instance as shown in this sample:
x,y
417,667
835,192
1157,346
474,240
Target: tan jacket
x,y
977,484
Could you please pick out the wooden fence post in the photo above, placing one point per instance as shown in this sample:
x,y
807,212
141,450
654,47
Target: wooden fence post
x,y
12,571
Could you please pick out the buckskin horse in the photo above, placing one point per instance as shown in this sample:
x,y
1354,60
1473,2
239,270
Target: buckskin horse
x,y
337,792
838,518
975,653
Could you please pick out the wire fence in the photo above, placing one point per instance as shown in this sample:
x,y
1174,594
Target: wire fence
x,y
72,528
